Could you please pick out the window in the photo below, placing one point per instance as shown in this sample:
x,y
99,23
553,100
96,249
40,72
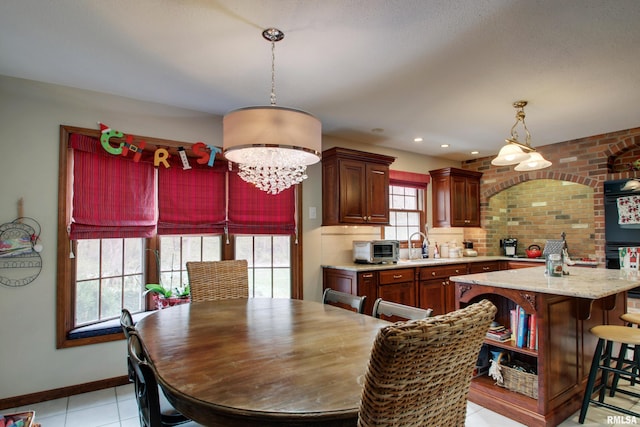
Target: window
x,y
109,276
269,264
407,206
114,255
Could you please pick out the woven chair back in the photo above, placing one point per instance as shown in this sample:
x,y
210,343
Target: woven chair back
x,y
420,371
217,280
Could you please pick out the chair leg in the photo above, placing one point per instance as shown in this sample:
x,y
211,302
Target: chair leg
x,y
606,361
591,381
619,366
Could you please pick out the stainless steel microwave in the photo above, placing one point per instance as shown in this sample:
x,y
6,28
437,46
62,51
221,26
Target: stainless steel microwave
x,y
376,251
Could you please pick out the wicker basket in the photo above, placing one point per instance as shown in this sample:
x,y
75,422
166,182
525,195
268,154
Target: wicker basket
x,y
518,381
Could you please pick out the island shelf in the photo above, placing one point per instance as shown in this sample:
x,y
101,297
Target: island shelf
x,y
565,346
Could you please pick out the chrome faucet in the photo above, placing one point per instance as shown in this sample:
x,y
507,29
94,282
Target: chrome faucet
x,y
424,236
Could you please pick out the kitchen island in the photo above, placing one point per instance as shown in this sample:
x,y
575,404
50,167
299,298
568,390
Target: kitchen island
x,y
565,308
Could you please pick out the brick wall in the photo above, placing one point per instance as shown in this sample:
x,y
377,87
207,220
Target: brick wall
x,y
589,161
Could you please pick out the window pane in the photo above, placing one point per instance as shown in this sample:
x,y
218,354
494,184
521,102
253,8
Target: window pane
x,y
282,283
397,202
112,256
244,248
281,251
88,259
111,301
401,233
211,247
262,283
132,300
87,301
390,233
191,251
413,218
169,252
262,251
133,256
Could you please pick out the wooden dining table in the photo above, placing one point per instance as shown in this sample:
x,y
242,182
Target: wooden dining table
x,y
261,361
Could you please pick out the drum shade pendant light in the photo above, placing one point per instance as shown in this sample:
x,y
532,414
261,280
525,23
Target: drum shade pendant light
x,y
516,152
272,145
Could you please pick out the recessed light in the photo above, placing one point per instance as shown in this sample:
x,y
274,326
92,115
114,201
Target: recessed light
x,y
444,145
377,130
475,152
418,139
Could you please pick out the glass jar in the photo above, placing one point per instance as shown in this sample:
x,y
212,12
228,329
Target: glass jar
x,y
554,265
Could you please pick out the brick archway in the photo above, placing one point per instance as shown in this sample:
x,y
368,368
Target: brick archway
x,y
544,174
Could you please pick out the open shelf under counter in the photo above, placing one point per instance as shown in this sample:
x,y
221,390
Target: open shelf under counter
x,y
565,308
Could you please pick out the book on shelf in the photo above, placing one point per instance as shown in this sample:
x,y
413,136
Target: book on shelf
x,y
503,334
523,327
533,332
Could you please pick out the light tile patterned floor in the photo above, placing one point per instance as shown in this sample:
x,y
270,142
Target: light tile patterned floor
x,y
116,407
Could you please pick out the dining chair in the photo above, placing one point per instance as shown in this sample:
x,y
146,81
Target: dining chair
x,y
148,394
218,280
393,311
344,300
127,325
420,371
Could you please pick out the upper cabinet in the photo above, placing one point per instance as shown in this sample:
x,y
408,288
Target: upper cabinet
x,y
355,187
456,197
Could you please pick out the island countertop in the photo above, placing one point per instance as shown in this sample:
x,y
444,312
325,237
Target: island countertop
x,y
590,283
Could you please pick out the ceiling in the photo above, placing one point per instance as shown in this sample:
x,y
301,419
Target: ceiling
x,y
378,72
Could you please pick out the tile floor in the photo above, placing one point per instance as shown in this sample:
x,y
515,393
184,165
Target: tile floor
x,y
116,407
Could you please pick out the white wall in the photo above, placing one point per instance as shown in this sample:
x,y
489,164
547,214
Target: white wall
x,y
30,116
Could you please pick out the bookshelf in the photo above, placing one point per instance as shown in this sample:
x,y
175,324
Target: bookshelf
x,y
562,358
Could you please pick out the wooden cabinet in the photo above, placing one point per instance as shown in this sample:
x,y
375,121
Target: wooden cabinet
x,y
434,289
522,264
456,197
355,187
563,356
398,286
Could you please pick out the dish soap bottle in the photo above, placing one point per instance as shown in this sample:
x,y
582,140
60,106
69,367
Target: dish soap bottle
x,y
425,248
436,253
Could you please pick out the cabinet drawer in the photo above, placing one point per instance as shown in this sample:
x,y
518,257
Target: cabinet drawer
x,y
396,276
427,273
484,267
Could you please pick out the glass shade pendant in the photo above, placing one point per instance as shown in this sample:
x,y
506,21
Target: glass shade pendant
x,y
535,162
510,154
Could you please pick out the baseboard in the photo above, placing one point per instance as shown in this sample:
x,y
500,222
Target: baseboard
x,y
57,393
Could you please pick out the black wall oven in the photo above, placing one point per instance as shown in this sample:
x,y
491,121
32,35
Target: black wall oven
x,y
617,236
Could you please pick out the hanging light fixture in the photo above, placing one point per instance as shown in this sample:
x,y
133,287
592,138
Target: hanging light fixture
x,y
272,145
520,153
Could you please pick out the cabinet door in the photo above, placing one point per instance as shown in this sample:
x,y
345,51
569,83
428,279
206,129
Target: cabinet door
x,y
441,194
368,286
458,201
353,192
472,203
402,293
377,194
431,294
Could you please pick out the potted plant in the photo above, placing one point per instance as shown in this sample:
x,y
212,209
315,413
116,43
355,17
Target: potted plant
x,y
167,297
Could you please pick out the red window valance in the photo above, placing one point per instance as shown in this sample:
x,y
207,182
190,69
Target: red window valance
x,y
409,179
112,196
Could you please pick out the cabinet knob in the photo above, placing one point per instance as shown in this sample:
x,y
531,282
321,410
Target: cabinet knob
x,y
433,273
368,276
457,271
486,268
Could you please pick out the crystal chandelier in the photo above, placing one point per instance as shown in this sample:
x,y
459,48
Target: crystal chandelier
x,y
272,145
516,152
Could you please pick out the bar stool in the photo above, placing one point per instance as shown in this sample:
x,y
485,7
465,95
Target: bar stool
x,y
602,361
631,320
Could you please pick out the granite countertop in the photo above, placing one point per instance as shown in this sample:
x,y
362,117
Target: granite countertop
x,y
590,283
429,262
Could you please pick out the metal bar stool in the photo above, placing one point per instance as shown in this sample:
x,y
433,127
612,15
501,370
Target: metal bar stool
x,y
603,360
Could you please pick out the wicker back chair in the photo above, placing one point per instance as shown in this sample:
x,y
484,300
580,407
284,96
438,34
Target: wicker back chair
x,y
420,371
394,312
344,300
216,280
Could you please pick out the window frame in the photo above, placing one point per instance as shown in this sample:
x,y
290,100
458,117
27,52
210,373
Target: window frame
x,y
65,275
422,210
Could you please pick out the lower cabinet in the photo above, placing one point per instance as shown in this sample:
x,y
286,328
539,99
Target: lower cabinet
x,y
434,289
398,286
